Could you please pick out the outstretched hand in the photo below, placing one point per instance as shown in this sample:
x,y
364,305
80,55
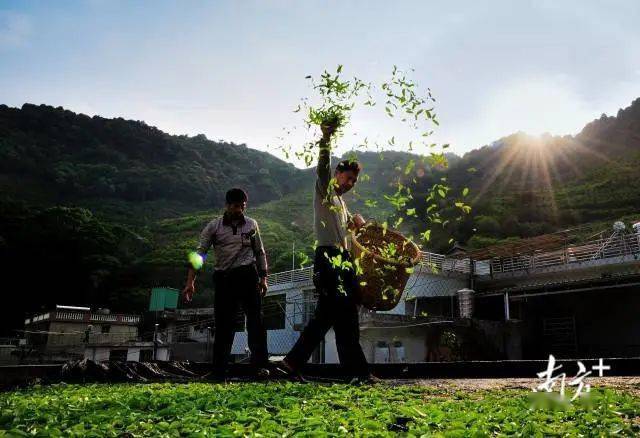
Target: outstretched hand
x,y
262,286
187,293
328,129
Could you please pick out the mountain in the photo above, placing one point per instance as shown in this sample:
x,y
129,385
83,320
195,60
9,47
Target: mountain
x,y
523,185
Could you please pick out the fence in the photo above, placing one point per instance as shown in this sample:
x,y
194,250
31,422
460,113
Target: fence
x,y
617,246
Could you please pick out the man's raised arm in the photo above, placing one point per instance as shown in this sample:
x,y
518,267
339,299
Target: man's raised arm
x,y
324,157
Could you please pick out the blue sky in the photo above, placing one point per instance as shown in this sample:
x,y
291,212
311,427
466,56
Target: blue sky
x,y
235,70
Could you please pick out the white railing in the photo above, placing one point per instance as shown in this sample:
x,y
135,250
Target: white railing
x,y
70,316
65,315
433,263
103,318
595,250
293,276
440,264
132,319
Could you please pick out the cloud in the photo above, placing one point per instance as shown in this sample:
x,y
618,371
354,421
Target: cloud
x,y
15,30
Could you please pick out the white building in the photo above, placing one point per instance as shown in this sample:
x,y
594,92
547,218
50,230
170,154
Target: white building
x,y
70,332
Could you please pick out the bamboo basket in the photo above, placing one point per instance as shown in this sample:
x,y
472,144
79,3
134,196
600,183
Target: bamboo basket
x,y
384,274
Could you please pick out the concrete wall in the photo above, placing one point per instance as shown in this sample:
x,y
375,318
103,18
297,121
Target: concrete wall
x,y
194,351
97,354
6,355
101,354
163,353
73,333
412,339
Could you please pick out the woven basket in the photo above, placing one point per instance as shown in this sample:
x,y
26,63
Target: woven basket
x,y
384,271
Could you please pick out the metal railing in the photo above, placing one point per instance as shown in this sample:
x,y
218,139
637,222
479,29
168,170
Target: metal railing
x,y
69,316
103,318
440,264
433,262
65,315
600,249
292,276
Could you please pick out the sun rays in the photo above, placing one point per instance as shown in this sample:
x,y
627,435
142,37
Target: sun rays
x,y
524,163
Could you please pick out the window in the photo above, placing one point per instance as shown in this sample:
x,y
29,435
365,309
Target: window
x,y
273,310
146,355
120,355
105,328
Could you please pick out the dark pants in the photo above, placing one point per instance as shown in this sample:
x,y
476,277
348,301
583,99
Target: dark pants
x,y
234,289
336,308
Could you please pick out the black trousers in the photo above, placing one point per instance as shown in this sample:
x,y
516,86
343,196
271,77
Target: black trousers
x,y
337,308
236,289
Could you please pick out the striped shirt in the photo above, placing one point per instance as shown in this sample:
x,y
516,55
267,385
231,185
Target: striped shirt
x,y
235,243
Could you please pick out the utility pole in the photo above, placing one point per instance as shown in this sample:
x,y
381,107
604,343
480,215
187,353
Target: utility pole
x,y
208,342
293,256
155,342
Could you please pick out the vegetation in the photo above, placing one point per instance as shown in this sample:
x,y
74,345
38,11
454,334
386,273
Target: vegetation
x,y
282,409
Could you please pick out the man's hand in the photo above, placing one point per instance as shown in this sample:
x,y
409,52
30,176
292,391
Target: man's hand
x,y
358,221
262,286
188,291
327,130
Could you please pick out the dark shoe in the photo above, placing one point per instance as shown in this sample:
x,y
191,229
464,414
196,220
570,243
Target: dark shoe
x,y
283,370
262,374
365,380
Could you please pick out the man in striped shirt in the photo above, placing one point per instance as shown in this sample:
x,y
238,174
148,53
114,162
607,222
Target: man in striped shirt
x,y
240,280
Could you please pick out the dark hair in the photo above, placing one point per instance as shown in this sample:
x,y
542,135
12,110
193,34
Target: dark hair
x,y
236,195
349,165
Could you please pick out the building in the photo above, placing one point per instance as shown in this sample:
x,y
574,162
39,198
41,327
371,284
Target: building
x,y
569,297
132,351
69,332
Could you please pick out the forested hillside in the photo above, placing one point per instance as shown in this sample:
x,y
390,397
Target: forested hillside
x,y
66,157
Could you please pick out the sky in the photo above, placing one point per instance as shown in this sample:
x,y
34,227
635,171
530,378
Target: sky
x,y
235,70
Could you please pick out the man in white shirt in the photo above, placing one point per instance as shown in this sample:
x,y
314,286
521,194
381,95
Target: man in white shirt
x,y
240,280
